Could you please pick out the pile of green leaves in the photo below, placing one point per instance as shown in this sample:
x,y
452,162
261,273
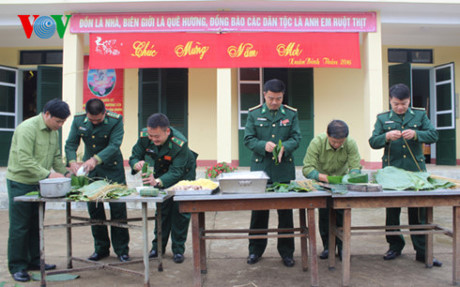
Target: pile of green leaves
x,y
287,187
79,181
83,189
276,151
395,178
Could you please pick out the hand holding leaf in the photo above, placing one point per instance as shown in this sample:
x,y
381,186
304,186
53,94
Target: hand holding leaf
x,y
278,152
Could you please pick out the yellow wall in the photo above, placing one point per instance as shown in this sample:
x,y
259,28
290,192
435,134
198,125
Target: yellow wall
x,y
235,114
202,112
130,112
338,94
10,56
441,55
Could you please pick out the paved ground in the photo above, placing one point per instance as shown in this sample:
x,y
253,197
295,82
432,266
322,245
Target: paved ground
x,y
227,259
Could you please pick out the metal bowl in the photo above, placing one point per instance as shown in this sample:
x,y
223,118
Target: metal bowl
x,y
55,187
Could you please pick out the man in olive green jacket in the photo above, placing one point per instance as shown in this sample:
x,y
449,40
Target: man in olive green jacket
x,y
266,125
102,133
33,154
331,154
166,149
401,132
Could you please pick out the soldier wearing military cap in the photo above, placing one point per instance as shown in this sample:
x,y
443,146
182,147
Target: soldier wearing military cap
x,y
401,132
166,149
102,133
266,125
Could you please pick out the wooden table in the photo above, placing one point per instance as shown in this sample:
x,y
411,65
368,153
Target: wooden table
x,y
388,198
85,221
198,205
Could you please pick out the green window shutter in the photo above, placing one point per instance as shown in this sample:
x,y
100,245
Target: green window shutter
x,y
300,89
149,94
174,97
164,91
49,85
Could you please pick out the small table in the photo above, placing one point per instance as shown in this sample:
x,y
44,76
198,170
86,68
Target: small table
x,y
84,221
199,204
388,198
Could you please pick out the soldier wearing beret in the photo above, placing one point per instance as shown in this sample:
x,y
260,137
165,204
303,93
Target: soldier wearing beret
x,y
401,132
166,149
102,133
266,125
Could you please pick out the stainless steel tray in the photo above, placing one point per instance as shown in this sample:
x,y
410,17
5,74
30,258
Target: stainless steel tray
x,y
243,182
194,192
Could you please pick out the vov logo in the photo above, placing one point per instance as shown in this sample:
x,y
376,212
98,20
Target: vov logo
x,y
44,26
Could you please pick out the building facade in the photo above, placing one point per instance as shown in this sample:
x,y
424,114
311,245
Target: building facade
x,y
417,46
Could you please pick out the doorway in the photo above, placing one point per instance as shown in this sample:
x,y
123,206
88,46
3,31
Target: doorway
x,y
29,94
432,88
299,94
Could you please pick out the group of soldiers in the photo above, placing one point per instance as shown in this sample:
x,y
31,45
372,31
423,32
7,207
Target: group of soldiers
x,y
400,132
35,155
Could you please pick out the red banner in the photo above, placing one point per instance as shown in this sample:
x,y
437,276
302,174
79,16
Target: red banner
x,y
229,50
105,84
224,21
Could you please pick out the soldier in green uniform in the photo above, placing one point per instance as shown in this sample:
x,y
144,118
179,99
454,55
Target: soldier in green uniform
x,y
102,133
33,154
266,125
331,154
166,149
401,132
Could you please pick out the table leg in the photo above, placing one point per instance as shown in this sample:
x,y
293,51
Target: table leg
x,y
159,238
332,237
203,265
456,246
429,239
196,243
346,247
145,238
41,210
313,255
303,239
68,221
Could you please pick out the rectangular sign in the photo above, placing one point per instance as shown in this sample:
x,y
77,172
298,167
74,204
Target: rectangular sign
x,y
228,50
224,22
105,84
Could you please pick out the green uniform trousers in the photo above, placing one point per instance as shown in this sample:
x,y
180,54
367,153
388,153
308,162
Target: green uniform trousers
x,y
259,220
175,223
120,236
324,227
23,239
416,216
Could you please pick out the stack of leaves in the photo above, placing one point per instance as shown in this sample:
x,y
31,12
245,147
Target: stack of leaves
x,y
79,181
395,178
99,189
285,187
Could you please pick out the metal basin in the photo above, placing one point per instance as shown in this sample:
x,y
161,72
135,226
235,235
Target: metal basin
x,y
54,187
